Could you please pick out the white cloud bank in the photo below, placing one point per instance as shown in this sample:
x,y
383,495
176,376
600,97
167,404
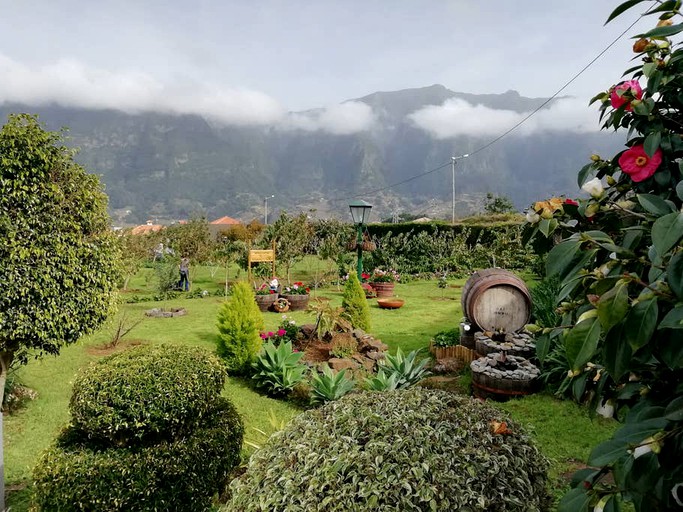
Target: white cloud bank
x,y
457,117
344,119
71,84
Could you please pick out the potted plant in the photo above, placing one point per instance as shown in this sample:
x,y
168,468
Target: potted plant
x,y
297,295
264,297
383,281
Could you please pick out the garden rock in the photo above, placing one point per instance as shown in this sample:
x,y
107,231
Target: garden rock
x,y
339,364
165,312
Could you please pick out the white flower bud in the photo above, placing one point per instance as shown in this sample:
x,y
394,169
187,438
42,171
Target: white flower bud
x,y
594,188
532,217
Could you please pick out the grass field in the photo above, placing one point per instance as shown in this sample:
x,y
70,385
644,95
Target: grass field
x,y
563,430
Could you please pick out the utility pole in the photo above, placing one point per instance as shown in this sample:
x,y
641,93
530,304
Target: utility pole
x,y
265,208
453,159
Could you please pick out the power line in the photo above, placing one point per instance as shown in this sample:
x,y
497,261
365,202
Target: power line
x,y
504,134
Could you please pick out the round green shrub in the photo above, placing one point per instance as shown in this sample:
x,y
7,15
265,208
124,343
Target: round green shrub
x,y
156,391
413,449
183,474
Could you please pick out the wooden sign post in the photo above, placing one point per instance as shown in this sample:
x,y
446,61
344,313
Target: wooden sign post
x,y
258,256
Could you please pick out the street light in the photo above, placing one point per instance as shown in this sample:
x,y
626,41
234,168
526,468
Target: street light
x,y
360,213
453,159
265,208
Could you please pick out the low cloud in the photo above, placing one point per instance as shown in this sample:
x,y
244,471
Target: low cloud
x,y
71,84
343,119
457,117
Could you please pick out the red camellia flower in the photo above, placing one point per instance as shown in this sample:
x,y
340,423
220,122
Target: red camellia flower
x,y
637,164
625,93
571,202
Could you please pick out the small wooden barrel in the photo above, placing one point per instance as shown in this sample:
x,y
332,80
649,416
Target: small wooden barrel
x,y
265,301
496,300
297,302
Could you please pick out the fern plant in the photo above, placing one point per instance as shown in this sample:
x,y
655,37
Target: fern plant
x,y
278,369
406,369
329,385
383,381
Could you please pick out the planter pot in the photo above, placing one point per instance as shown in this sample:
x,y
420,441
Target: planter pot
x,y
390,303
297,302
265,301
383,289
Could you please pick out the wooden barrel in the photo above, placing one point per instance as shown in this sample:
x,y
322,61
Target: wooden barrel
x,y
297,302
496,300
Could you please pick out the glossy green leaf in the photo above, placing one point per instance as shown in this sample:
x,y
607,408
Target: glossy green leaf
x,y
616,353
641,323
542,347
608,452
622,8
583,174
674,272
652,142
637,432
547,226
674,411
679,186
664,31
673,319
561,256
666,232
654,204
581,342
576,500
613,305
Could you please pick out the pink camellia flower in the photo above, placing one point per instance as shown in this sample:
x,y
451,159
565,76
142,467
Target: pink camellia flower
x,y
270,334
281,332
625,93
637,164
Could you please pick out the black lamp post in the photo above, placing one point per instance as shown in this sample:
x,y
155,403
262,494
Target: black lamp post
x,y
360,213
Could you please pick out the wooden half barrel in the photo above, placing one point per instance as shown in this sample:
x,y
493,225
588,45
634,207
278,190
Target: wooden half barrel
x,y
496,300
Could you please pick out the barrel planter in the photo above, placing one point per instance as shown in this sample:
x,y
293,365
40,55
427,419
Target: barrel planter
x,y
501,377
297,302
514,344
496,300
265,301
384,289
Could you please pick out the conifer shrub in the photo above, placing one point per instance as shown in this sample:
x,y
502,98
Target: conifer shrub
x,y
172,442
239,325
355,304
413,449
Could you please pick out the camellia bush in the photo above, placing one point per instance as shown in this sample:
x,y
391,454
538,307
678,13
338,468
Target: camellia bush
x,y
414,449
620,262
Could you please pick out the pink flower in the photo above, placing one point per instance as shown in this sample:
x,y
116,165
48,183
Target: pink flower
x,y
263,335
571,202
270,334
637,164
625,93
281,332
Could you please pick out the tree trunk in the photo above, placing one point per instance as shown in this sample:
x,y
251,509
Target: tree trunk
x,y
5,361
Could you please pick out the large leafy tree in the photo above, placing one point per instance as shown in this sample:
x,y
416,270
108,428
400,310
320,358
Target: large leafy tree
x,y
58,257
621,266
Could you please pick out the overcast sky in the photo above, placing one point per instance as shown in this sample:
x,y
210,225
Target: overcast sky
x,y
251,61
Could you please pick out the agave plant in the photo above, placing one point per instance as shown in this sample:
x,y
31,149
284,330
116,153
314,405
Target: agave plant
x,y
278,369
405,368
383,381
328,385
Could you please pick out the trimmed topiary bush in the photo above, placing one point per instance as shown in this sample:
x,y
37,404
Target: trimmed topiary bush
x,y
239,324
414,449
155,390
181,474
150,432
355,304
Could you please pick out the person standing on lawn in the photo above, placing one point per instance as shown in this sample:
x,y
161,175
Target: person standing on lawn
x,y
184,274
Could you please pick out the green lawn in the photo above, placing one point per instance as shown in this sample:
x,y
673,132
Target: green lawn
x,y
562,430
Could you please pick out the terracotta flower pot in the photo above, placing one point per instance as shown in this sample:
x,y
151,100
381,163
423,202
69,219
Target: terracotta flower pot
x,y
384,289
390,303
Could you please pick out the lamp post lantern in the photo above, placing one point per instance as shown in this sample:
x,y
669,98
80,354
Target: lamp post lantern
x,y
265,208
360,213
